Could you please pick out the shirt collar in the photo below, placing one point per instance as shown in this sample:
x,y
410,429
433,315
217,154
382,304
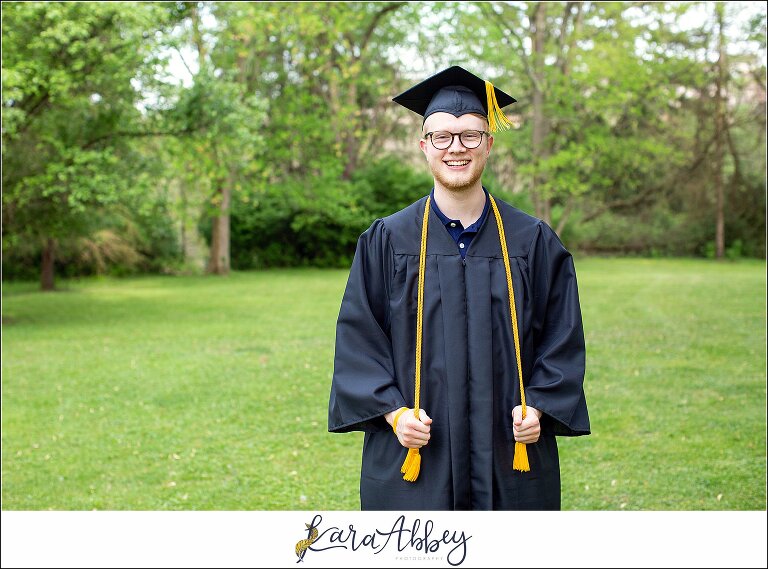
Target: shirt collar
x,y
445,220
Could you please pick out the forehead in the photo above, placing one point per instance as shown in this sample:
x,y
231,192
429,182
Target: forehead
x,y
446,121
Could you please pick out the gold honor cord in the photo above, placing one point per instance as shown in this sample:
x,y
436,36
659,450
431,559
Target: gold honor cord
x,y
412,464
520,462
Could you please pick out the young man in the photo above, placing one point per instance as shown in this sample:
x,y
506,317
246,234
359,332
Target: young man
x,y
459,343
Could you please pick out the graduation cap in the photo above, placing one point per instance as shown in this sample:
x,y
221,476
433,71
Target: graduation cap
x,y
459,92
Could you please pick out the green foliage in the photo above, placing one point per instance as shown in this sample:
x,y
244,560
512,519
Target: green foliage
x,y
68,150
627,118
388,185
120,241
655,231
318,221
325,71
296,223
288,111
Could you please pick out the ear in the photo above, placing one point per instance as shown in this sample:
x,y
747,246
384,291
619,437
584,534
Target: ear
x,y
490,144
423,146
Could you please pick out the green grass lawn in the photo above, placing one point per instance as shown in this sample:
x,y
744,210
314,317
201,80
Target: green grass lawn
x,y
203,393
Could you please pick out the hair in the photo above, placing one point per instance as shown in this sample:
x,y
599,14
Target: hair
x,y
487,124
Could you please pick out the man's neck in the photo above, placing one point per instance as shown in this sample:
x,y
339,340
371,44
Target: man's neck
x,y
465,205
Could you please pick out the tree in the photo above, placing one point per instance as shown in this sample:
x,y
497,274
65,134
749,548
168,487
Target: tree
x,y
70,116
227,110
720,134
317,78
595,99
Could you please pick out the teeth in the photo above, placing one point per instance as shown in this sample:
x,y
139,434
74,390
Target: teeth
x,y
457,162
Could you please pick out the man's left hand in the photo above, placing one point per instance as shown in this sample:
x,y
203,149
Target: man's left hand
x,y
526,430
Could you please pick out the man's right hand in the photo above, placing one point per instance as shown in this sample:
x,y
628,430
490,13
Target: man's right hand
x,y
411,432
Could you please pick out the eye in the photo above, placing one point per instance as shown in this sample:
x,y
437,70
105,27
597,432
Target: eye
x,y
441,137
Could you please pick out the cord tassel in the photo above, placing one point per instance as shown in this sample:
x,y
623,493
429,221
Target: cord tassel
x,y
520,462
408,461
412,465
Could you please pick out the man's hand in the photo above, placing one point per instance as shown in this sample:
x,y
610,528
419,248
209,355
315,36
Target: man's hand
x,y
526,431
411,432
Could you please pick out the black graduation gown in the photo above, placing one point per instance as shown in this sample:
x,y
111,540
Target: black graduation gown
x,y
469,381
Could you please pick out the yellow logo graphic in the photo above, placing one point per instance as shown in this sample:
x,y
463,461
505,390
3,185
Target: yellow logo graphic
x,y
303,545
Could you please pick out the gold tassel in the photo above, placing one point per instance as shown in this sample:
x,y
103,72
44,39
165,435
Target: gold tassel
x,y
520,462
412,465
497,120
408,461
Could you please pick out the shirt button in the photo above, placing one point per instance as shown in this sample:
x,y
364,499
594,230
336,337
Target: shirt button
x,y
453,224
461,245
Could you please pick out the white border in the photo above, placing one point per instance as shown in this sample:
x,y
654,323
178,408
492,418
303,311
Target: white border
x,y
497,539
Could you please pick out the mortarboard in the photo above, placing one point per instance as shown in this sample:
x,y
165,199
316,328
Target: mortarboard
x,y
457,91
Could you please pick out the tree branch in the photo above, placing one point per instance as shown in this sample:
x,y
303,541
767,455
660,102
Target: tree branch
x,y
563,30
617,204
375,22
736,160
640,198
493,14
138,134
181,56
564,216
572,39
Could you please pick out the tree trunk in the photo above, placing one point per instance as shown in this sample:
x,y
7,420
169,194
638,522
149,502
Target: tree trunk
x,y
183,221
564,217
540,203
47,268
197,35
351,143
719,138
218,263
566,44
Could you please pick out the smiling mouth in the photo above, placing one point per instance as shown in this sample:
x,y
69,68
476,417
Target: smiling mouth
x,y
456,164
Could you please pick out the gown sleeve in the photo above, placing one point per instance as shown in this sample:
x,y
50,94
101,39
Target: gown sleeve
x,y
556,385
363,387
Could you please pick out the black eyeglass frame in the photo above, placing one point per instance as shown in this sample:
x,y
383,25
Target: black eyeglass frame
x,y
455,134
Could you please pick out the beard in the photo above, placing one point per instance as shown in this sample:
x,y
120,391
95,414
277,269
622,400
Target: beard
x,y
457,181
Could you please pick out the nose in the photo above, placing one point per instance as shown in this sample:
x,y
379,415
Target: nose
x,y
456,145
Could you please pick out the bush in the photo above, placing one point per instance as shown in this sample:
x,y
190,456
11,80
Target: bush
x,y
317,221
655,231
389,185
120,241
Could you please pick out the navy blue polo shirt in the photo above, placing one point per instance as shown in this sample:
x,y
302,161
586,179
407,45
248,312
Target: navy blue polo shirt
x,y
462,236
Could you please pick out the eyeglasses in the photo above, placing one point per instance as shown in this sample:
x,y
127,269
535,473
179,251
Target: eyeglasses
x,y
442,139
